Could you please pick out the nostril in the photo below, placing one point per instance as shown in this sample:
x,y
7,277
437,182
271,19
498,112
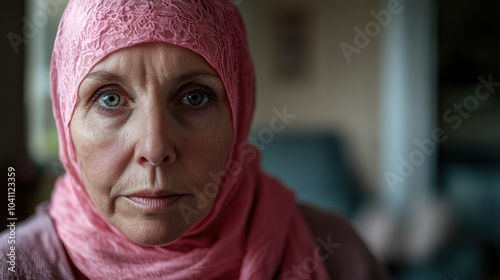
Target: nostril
x,y
156,155
156,162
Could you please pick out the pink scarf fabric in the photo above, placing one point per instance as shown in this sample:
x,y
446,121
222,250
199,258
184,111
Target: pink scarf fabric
x,y
254,230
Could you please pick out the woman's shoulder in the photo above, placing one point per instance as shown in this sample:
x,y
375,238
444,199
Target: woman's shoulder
x,y
31,249
350,259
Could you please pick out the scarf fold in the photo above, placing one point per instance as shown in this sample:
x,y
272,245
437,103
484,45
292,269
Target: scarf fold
x,y
254,230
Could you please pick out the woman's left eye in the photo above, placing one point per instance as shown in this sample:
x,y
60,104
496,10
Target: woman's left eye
x,y
196,98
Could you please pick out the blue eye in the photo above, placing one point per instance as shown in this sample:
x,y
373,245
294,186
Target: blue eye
x,y
196,98
109,100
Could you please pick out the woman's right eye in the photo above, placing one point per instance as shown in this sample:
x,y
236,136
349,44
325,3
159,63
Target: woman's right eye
x,y
109,100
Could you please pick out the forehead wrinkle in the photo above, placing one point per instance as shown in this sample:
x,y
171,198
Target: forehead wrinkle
x,y
116,68
161,65
107,77
152,67
176,64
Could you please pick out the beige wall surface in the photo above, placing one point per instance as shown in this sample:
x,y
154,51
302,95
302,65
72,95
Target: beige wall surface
x,y
332,95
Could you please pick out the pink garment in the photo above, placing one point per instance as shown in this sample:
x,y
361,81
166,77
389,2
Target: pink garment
x,y
254,230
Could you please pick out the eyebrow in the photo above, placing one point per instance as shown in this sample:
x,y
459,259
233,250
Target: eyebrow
x,y
190,76
107,77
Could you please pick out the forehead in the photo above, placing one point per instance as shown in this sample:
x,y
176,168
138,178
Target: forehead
x,y
167,59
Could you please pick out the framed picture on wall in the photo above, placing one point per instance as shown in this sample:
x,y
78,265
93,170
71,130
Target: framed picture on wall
x,y
293,36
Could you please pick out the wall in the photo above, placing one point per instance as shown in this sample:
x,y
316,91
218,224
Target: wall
x,y
334,95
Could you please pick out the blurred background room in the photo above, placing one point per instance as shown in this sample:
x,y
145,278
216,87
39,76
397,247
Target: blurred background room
x,y
389,112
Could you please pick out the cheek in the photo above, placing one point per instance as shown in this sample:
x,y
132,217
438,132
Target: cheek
x,y
101,160
209,151
204,155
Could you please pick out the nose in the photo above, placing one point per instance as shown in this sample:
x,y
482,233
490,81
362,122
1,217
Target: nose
x,y
154,142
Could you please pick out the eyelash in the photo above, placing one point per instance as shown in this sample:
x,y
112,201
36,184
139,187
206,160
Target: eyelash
x,y
212,97
100,92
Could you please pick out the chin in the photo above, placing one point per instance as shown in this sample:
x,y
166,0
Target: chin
x,y
153,231
154,240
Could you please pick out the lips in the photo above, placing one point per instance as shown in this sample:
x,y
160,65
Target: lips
x,y
154,201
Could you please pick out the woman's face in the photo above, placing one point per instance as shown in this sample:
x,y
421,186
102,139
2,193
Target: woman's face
x,y
151,123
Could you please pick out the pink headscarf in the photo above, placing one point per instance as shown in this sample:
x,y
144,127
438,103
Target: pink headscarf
x,y
254,230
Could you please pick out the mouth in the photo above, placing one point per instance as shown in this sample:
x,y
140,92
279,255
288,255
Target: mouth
x,y
154,201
